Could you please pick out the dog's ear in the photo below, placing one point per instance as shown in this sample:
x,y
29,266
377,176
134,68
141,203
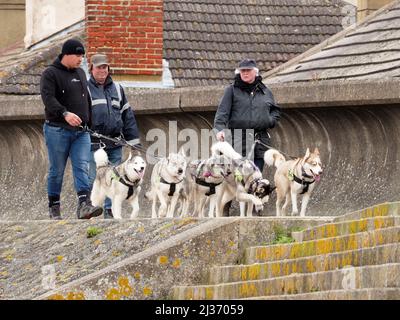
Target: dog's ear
x,y
183,152
307,153
316,151
130,156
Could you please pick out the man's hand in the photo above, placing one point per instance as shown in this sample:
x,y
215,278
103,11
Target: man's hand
x,y
72,119
220,136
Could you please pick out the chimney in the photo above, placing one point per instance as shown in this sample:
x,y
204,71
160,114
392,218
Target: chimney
x,y
130,32
366,7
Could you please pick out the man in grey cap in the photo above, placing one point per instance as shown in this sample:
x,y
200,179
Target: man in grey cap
x,y
247,104
112,117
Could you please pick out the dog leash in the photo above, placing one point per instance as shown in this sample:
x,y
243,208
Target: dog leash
x,y
118,141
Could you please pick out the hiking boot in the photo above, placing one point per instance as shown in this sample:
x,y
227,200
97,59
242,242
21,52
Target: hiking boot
x,y
108,214
86,210
54,212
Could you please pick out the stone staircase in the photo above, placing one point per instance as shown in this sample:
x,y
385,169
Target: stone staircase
x,y
357,256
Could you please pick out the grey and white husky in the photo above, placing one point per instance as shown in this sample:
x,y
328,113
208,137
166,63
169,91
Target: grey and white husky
x,y
118,183
204,179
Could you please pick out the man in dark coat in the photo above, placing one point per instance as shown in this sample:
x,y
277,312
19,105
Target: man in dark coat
x,y
63,88
247,106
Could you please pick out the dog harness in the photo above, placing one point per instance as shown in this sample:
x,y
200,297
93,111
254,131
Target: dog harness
x,y
208,184
305,184
172,186
200,164
131,185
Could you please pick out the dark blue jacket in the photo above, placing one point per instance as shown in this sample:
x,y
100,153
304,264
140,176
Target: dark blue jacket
x,y
112,115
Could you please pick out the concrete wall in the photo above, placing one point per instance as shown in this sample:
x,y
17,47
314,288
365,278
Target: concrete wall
x,y
46,17
12,22
355,125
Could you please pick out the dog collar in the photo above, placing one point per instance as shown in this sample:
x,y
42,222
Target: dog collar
x,y
238,176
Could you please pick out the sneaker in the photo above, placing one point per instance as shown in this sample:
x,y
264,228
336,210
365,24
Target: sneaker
x,y
54,212
86,210
108,214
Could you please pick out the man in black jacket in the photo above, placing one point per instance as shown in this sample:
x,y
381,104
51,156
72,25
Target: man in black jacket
x,y
112,116
63,88
247,104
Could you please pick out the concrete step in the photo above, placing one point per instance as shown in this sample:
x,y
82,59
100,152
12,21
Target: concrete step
x,y
322,246
330,230
381,276
388,253
384,209
360,294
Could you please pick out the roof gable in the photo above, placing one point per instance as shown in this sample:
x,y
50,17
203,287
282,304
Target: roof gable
x,y
371,50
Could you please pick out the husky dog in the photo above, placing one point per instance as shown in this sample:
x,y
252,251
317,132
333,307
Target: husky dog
x,y
205,177
118,183
167,184
245,183
294,177
247,186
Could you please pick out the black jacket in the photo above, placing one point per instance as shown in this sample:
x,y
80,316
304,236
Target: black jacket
x,y
64,89
239,109
111,113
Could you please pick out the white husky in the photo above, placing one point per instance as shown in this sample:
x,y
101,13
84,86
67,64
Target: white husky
x,y
294,177
118,183
167,184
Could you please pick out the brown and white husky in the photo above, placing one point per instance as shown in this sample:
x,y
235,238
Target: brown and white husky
x,y
294,177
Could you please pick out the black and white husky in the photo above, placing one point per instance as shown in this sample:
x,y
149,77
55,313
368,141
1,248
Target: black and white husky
x,y
118,183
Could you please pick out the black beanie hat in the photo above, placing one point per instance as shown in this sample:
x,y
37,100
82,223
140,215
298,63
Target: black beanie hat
x,y
72,46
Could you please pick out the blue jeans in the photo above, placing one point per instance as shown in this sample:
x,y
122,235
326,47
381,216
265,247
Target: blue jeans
x,y
63,143
114,157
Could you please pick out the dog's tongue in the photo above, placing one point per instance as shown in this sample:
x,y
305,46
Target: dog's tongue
x,y
140,173
317,178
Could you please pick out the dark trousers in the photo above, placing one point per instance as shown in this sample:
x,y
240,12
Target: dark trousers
x,y
259,162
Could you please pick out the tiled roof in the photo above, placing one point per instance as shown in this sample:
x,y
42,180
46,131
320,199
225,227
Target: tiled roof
x,y
370,51
205,39
20,69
